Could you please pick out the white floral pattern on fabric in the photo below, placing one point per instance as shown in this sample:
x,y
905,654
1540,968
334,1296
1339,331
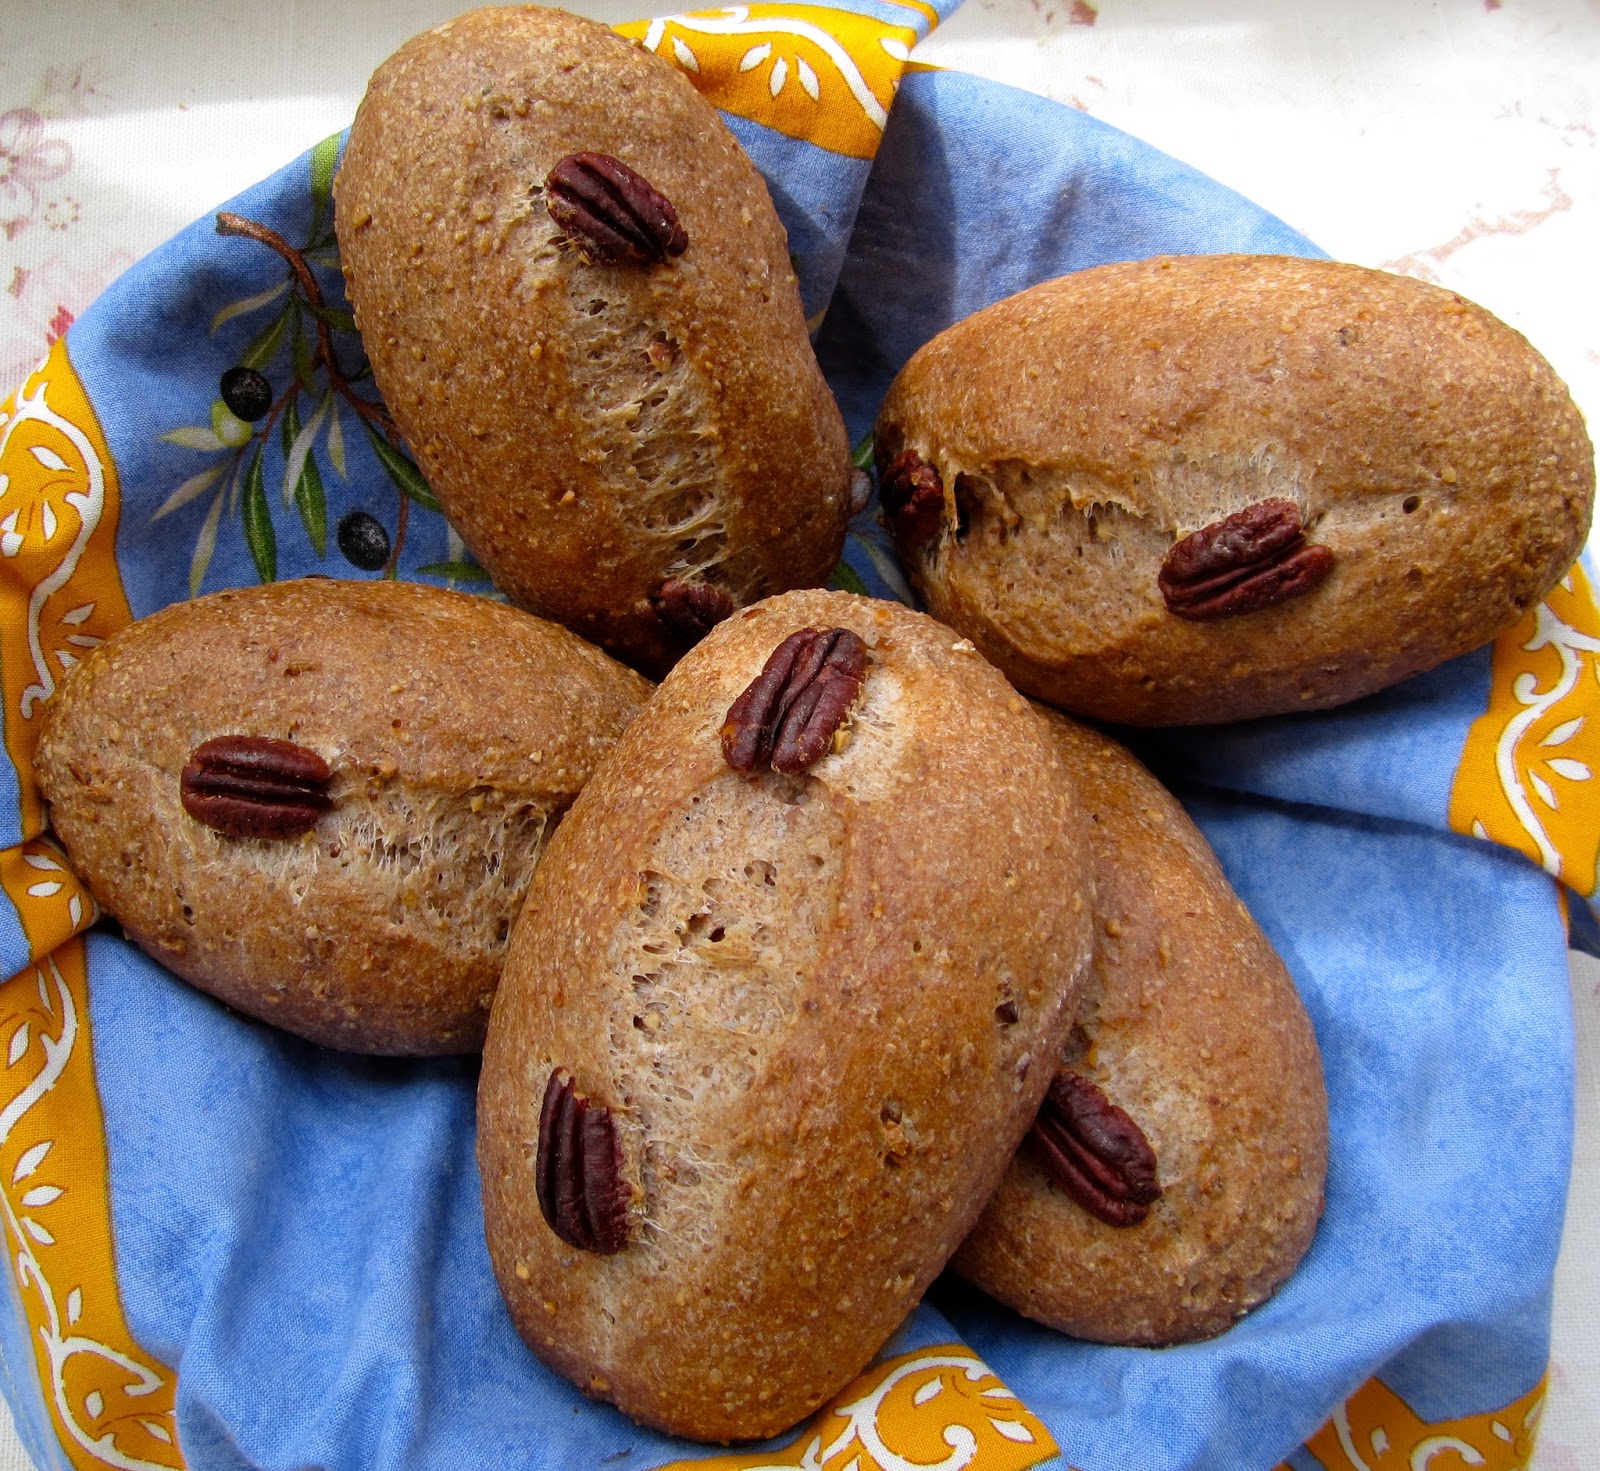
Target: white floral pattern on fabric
x,y
111,1405
897,1408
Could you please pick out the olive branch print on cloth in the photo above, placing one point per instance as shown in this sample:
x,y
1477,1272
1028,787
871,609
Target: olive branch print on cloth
x,y
278,423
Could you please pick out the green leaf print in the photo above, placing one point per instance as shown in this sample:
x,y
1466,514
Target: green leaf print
x,y
323,159
336,317
258,532
302,481
459,571
403,472
305,370
846,579
264,346
249,304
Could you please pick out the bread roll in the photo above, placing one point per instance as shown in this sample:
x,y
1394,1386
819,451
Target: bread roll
x,y
371,909
1191,1025
1386,477
594,431
815,1011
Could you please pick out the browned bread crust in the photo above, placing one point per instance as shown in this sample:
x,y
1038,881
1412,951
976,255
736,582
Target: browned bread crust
x,y
458,730
819,1007
1191,1024
1083,427
590,430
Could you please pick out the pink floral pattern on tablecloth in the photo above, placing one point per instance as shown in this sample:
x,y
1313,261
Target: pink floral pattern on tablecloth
x,y
29,159
38,305
44,289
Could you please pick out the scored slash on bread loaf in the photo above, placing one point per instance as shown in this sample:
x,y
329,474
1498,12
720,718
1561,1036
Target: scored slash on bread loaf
x,y
1081,429
1192,1025
456,732
819,1008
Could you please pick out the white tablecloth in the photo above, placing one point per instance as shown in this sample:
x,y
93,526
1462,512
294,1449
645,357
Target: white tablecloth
x,y
1458,140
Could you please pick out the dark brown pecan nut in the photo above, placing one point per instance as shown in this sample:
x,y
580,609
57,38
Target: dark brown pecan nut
x,y
615,216
1095,1152
1250,560
578,1170
913,494
254,787
691,609
793,708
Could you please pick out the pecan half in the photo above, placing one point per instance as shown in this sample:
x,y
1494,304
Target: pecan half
x,y
254,786
913,494
1095,1152
1250,560
617,217
578,1170
691,609
793,708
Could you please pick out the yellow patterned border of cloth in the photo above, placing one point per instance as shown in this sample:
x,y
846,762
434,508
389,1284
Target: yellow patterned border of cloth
x,y
60,591
61,595
810,72
934,1407
110,1402
1524,774
1376,1430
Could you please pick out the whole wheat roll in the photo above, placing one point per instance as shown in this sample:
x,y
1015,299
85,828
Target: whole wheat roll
x,y
591,430
1190,1024
818,1007
456,731
1082,429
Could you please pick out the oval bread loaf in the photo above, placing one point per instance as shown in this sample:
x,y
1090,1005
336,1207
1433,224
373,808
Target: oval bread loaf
x,y
450,732
1191,1025
628,448
801,1017
1202,488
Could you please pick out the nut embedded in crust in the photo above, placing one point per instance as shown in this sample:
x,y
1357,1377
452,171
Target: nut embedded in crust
x,y
1095,1152
691,609
578,1172
615,215
913,495
1253,559
254,787
793,708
